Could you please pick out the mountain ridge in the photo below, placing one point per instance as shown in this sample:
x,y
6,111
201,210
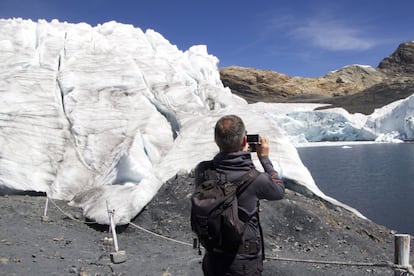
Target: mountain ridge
x,y
353,87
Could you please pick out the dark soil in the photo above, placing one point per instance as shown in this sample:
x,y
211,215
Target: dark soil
x,y
302,237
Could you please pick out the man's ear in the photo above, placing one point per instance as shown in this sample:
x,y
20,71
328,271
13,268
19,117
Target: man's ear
x,y
244,146
244,141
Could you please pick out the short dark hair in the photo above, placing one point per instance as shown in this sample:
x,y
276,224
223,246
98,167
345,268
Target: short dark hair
x,y
229,133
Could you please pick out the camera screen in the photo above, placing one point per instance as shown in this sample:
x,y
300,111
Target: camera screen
x,y
253,139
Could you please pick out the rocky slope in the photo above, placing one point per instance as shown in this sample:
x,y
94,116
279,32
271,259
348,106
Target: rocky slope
x,y
356,88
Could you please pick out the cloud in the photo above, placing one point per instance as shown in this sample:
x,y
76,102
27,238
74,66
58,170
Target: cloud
x,y
321,30
333,35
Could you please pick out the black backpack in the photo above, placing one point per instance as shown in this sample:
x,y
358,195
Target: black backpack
x,y
215,217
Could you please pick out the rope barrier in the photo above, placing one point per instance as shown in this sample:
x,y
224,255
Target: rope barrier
x,y
134,225
69,215
328,262
388,264
160,236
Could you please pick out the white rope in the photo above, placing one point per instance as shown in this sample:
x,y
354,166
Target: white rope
x,y
388,264
69,215
160,236
326,262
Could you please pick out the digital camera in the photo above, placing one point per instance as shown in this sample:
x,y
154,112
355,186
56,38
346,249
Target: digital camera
x,y
253,140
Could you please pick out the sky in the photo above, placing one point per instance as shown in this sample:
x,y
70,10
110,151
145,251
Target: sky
x,y
297,38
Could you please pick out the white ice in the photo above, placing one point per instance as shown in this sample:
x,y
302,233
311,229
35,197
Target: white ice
x,y
102,116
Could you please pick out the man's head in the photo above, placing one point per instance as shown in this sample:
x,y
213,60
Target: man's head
x,y
230,133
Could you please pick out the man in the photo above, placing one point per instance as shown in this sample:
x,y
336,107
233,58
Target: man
x,y
233,161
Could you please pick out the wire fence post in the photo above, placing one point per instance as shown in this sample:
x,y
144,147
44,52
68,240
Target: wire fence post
x,y
45,218
119,256
402,253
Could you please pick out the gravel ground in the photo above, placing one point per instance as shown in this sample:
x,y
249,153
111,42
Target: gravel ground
x,y
303,236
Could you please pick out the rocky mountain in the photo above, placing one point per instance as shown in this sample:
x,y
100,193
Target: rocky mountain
x,y
401,62
356,88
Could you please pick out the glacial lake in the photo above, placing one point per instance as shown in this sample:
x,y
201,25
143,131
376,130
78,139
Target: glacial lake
x,y
377,179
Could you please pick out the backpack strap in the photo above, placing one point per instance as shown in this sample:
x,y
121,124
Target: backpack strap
x,y
249,178
242,183
210,174
245,180
261,232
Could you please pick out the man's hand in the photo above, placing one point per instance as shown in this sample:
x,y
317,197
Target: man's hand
x,y
263,148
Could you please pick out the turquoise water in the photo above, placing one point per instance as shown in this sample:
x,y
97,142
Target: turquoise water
x,y
376,179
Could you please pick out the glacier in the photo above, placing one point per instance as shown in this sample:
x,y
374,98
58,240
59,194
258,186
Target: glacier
x,y
102,116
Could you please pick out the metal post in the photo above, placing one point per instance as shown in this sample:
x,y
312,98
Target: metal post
x,y
119,256
402,251
45,218
111,217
